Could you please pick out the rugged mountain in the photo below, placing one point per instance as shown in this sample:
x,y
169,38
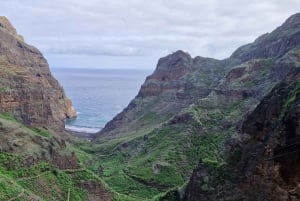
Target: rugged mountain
x,y
262,153
264,156
28,91
177,82
37,160
190,110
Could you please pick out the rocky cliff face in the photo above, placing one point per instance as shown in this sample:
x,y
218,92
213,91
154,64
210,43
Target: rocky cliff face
x,y
177,82
262,153
189,112
28,91
270,145
37,161
277,43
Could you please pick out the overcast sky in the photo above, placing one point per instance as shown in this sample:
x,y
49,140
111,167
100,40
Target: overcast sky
x,y
135,33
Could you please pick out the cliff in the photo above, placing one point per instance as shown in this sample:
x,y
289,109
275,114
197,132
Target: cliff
x,y
37,160
177,82
270,145
188,114
263,157
262,161
28,91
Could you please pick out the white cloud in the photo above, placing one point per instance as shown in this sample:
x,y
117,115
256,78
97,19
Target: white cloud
x,y
145,28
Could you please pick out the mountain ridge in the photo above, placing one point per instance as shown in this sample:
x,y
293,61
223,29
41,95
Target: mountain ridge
x,y
189,109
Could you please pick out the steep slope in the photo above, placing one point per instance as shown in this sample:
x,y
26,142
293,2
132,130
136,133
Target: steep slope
x,y
37,161
37,164
177,82
28,91
277,43
187,111
264,155
270,145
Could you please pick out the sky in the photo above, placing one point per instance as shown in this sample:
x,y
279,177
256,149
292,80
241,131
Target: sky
x,y
136,33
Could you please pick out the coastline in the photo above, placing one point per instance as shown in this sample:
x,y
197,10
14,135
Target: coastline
x,y
81,135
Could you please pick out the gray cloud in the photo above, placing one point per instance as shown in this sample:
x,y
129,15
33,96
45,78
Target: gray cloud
x,y
138,28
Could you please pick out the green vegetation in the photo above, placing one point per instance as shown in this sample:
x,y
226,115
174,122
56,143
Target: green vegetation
x,y
41,179
7,116
145,167
26,171
294,92
4,89
41,132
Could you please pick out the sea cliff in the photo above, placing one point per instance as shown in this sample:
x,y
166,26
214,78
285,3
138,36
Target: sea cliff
x,y
28,91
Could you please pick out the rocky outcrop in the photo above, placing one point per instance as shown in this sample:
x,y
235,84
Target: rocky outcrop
x,y
275,44
270,145
178,81
262,155
28,91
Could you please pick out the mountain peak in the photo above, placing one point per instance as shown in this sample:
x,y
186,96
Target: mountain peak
x,y
171,59
171,67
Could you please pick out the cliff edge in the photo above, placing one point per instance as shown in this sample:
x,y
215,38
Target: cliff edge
x,y
28,91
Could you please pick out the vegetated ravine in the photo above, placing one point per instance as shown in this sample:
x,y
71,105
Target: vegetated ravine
x,y
199,129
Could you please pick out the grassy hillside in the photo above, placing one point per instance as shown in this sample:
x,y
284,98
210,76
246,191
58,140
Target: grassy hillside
x,y
29,172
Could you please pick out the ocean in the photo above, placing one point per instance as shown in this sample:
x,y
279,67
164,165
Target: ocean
x,y
98,94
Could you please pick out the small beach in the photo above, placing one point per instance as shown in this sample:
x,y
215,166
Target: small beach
x,y
98,95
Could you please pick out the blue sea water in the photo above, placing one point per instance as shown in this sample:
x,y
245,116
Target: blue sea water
x,y
98,94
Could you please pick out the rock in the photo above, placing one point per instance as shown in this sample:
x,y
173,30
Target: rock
x,y
275,44
6,25
274,137
28,91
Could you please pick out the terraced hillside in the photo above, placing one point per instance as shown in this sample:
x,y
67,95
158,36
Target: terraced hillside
x,y
37,164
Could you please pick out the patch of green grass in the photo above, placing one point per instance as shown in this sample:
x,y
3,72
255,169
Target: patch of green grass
x,y
8,116
54,186
42,179
4,89
8,189
294,92
122,197
151,118
41,132
130,187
